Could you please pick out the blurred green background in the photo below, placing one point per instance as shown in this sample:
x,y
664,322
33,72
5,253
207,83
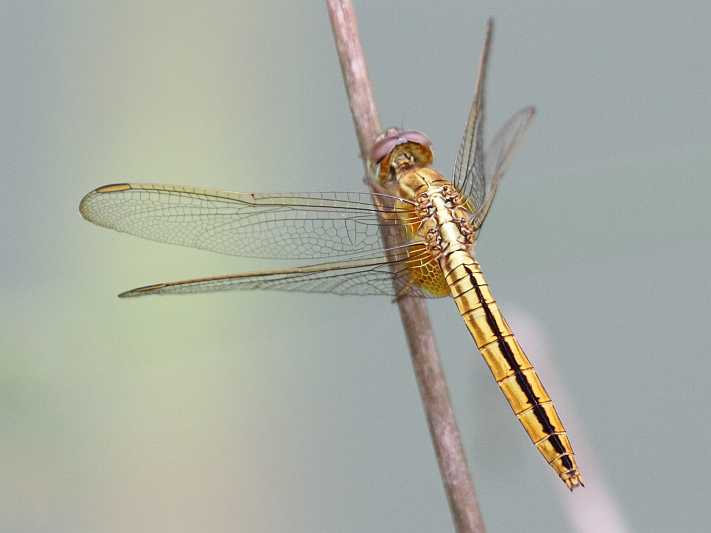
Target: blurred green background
x,y
268,412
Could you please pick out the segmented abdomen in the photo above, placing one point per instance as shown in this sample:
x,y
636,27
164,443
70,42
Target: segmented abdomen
x,y
508,363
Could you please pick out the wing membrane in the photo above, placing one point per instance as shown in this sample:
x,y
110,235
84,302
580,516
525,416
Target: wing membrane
x,y
468,174
477,173
292,225
375,276
498,158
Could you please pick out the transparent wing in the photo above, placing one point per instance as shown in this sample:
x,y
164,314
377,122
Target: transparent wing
x,y
292,225
375,276
477,173
468,174
498,157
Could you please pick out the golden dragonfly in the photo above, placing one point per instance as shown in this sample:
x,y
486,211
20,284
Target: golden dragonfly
x,y
433,221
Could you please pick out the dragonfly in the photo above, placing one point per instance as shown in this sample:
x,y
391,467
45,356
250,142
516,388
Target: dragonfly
x,y
412,235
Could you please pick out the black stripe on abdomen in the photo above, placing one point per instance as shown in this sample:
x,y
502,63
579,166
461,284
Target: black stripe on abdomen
x,y
521,379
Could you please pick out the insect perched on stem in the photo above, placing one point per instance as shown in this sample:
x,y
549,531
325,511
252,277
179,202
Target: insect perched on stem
x,y
434,221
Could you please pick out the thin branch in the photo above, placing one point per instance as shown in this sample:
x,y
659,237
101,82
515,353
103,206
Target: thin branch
x,y
413,312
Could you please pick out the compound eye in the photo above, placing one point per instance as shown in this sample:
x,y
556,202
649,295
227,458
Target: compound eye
x,y
393,137
416,137
382,148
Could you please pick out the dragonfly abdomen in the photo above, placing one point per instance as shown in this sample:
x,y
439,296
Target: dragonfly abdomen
x,y
509,365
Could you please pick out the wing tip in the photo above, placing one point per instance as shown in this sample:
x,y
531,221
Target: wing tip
x,y
143,291
111,187
104,189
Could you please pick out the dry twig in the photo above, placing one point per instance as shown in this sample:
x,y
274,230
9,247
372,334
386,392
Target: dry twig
x,y
413,312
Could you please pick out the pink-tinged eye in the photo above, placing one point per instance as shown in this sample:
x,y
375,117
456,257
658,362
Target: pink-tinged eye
x,y
416,137
392,138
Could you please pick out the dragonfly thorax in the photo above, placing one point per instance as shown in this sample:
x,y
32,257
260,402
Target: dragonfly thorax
x,y
412,182
440,216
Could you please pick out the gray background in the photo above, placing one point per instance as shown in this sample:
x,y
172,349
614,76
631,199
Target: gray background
x,y
272,412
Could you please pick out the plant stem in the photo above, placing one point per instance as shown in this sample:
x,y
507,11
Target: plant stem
x,y
413,312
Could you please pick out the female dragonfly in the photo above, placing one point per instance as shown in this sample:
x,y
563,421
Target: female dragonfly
x,y
434,220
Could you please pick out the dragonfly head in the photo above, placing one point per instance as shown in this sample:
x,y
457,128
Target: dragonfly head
x,y
396,150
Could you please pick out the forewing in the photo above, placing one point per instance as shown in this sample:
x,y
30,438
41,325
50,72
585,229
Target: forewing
x,y
498,158
291,225
468,174
376,276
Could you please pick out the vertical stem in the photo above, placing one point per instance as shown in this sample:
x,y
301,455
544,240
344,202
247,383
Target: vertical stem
x,y
413,312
